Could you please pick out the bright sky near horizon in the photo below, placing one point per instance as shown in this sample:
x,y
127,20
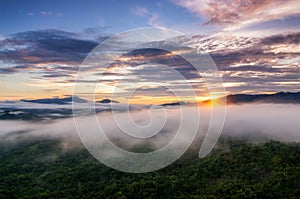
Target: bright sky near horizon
x,y
255,44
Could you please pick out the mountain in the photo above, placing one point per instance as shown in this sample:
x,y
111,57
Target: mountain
x,y
65,100
56,100
17,115
276,98
106,101
173,104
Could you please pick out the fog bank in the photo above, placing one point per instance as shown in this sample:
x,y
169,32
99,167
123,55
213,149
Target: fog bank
x,y
255,122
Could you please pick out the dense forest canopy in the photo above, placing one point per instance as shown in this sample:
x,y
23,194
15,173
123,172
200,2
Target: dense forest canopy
x,y
41,169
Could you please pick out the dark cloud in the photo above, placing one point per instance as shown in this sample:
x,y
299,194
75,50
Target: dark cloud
x,y
265,64
262,68
290,38
256,62
109,74
55,75
152,56
44,46
153,91
252,63
7,70
92,30
97,30
13,69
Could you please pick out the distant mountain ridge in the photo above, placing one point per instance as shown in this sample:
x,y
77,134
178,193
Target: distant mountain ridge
x,y
280,97
65,100
64,109
106,101
173,104
16,115
276,98
56,100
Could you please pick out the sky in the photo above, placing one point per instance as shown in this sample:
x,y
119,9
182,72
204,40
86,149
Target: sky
x,y
254,44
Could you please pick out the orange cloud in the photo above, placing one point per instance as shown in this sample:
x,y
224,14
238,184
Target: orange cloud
x,y
237,13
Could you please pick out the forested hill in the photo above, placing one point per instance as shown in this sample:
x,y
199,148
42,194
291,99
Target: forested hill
x,y
276,98
42,170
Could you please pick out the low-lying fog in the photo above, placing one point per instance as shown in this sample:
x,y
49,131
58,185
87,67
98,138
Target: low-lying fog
x,y
255,122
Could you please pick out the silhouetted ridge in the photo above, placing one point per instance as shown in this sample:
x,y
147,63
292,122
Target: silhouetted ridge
x,y
106,101
281,97
57,100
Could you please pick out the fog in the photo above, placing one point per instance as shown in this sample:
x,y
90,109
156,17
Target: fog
x,y
254,123
263,122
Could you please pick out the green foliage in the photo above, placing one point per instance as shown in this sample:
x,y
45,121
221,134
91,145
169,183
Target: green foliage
x,y
42,170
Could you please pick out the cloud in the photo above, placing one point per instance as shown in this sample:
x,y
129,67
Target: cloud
x,y
265,64
41,48
289,38
265,121
139,11
55,75
154,20
151,71
46,13
247,64
237,13
93,30
14,69
261,123
96,33
7,70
